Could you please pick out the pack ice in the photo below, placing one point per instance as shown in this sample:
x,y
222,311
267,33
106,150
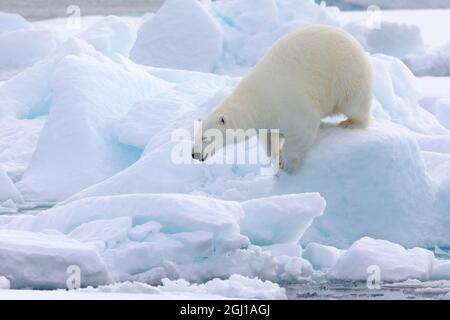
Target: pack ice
x,y
93,127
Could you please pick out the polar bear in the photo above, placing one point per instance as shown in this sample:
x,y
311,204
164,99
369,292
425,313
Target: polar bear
x,y
309,74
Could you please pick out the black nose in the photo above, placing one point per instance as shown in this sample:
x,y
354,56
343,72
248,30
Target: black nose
x,y
197,156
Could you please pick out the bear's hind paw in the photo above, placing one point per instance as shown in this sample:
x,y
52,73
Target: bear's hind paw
x,y
346,124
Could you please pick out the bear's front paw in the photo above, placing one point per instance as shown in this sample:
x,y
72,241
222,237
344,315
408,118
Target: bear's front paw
x,y
288,166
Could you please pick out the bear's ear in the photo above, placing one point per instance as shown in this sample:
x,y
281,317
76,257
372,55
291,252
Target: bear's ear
x,y
222,120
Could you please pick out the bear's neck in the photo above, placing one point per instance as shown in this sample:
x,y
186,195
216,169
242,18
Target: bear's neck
x,y
250,110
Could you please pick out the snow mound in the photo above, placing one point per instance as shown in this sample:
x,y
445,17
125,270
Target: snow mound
x,y
329,168
293,214
389,38
110,36
147,237
195,95
8,190
223,36
125,287
438,165
441,111
291,267
78,146
394,262
176,212
434,62
243,16
250,28
237,287
110,231
341,168
191,228
89,124
22,48
396,92
389,4
41,260
182,35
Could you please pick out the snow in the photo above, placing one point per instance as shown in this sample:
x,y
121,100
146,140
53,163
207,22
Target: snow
x,y
440,108
395,263
110,231
12,22
194,212
250,28
111,36
235,287
147,236
390,38
395,88
390,4
222,36
353,198
97,295
140,232
294,214
18,139
44,259
414,36
90,124
79,130
23,48
434,62
22,44
441,270
241,15
182,35
291,265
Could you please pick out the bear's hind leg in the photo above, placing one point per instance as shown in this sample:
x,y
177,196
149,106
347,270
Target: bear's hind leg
x,y
355,123
358,114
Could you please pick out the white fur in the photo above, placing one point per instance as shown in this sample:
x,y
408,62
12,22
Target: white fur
x,y
309,74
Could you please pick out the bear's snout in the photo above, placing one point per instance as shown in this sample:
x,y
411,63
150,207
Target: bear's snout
x,y
197,155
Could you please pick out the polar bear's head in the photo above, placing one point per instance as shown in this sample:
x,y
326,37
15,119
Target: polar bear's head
x,y
210,134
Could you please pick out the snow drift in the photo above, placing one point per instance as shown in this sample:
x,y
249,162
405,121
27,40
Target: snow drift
x,y
153,236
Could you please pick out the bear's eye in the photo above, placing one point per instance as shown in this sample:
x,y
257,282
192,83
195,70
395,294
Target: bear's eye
x,y
222,120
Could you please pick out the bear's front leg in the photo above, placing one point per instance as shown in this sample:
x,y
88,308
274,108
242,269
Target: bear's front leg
x,y
291,154
272,145
295,147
